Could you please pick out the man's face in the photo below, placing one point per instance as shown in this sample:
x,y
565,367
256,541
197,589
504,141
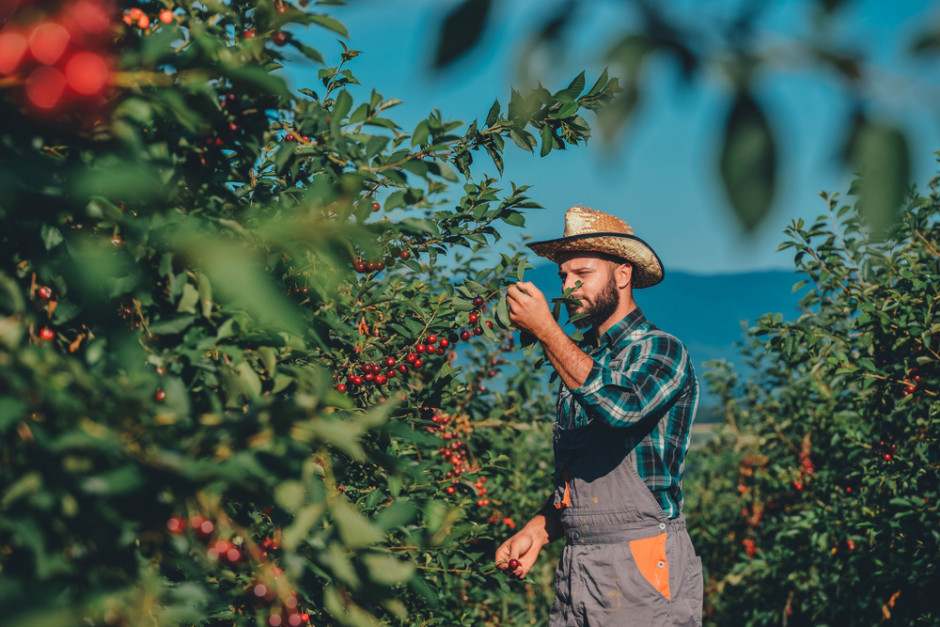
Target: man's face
x,y
598,292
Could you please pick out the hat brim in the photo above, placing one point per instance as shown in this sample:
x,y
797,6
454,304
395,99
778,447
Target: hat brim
x,y
647,268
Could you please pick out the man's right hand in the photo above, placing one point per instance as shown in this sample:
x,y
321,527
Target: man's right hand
x,y
524,546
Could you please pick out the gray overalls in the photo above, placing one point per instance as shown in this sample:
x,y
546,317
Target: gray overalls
x,y
624,562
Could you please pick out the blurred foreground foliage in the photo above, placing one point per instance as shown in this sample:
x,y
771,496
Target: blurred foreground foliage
x,y
248,341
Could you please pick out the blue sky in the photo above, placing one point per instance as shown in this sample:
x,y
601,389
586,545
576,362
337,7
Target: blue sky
x,y
661,174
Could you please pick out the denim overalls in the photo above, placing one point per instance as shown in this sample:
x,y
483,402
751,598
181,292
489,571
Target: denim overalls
x,y
624,562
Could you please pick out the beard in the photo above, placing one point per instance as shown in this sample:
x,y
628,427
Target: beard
x,y
602,309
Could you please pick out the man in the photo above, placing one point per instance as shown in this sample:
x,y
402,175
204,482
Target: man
x,y
626,403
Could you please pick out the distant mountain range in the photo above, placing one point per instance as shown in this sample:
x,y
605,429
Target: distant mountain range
x,y
709,313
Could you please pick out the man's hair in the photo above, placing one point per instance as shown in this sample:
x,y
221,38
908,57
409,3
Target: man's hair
x,y
614,259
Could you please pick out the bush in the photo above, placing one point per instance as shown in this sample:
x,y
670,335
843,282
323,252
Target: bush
x,y
254,367
816,502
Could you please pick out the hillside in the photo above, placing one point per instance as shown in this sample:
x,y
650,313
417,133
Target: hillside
x,y
707,312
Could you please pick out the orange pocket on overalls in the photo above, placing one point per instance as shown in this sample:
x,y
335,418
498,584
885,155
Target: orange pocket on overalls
x,y
650,556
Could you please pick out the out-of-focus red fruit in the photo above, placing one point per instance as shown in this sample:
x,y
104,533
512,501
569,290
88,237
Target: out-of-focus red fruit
x,y
44,87
13,47
86,73
92,16
48,41
166,16
176,524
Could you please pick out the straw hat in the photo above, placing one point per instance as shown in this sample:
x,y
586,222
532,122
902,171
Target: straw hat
x,y
587,230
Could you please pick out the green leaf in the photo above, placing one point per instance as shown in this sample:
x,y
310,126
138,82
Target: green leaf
x,y
290,495
462,28
386,570
188,300
51,236
748,162
421,133
881,153
493,114
173,325
330,23
123,480
548,140
354,529
522,139
255,76
576,86
342,105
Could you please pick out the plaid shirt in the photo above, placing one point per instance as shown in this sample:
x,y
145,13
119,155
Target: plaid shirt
x,y
642,381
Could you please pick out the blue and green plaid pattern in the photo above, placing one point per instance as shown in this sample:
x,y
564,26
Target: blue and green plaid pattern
x,y
642,382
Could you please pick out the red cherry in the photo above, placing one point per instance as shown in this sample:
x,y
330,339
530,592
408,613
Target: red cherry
x,y
87,73
166,16
431,339
478,330
143,21
478,301
232,557
450,489
514,564
369,377
376,206
44,86
370,266
444,342
441,350
360,267
48,41
279,38
474,316
47,334
205,527
160,396
45,292
411,358
489,323
420,348
341,387
13,47
250,33
176,525
417,363
405,254
465,335
402,368
391,374
357,380
380,379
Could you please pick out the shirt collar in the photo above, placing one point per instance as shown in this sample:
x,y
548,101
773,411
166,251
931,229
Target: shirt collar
x,y
629,323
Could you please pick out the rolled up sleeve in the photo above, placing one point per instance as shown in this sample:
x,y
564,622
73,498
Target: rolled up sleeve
x,y
638,385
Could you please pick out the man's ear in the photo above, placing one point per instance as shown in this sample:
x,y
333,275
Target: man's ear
x,y
624,275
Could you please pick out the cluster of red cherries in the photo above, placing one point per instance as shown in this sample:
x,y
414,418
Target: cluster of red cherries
x,y
62,61
260,593
387,368
372,373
